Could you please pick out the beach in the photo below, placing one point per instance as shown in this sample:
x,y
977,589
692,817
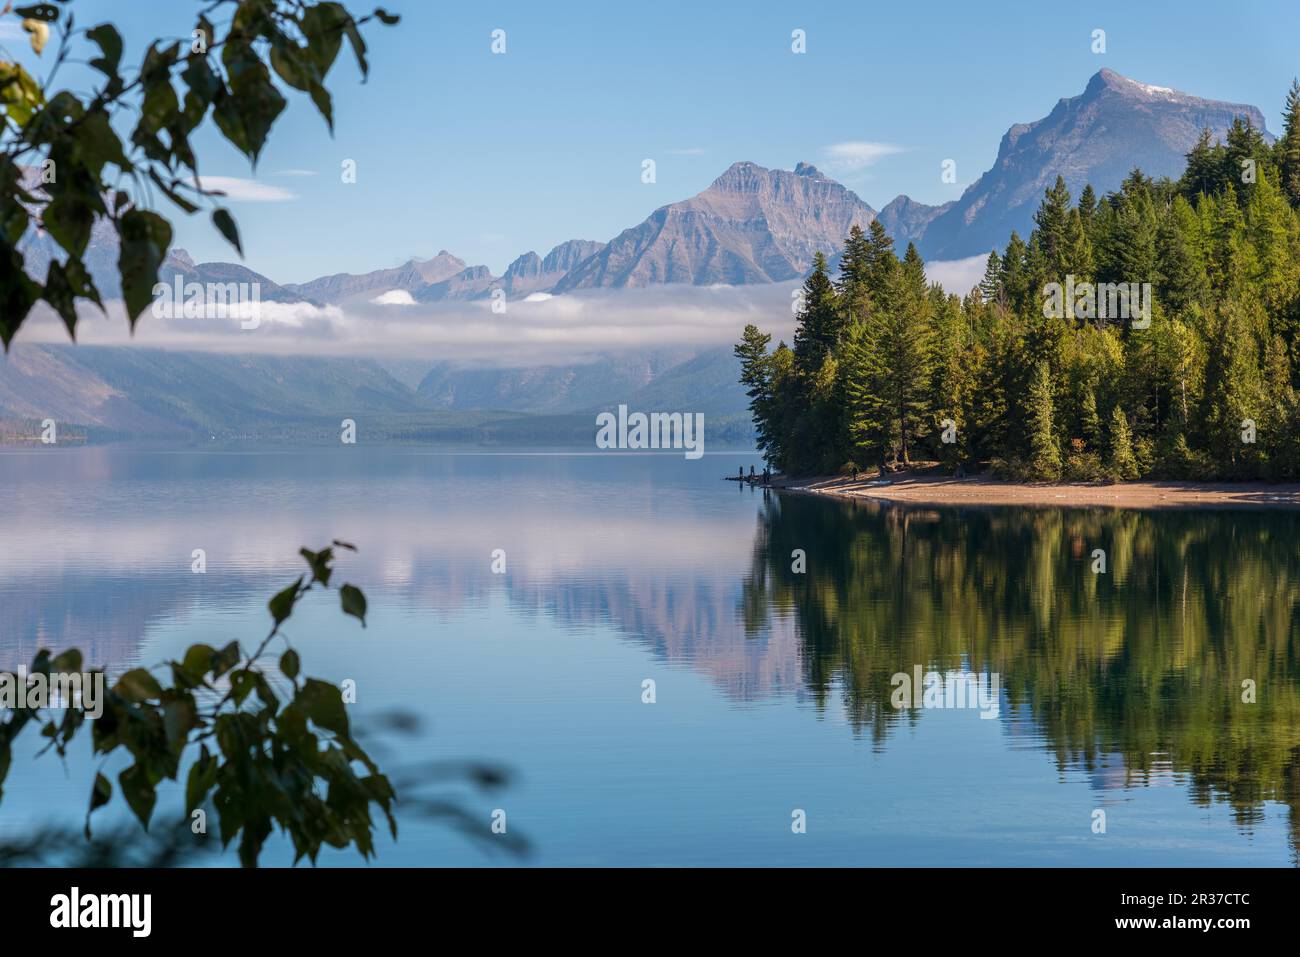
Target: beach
x,y
926,488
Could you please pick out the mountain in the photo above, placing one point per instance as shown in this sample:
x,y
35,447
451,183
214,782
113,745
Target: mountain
x,y
531,273
112,392
179,263
1098,137
411,277
469,283
906,220
554,388
752,225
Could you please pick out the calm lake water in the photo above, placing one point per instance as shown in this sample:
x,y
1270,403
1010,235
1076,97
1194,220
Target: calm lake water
x,y
1118,692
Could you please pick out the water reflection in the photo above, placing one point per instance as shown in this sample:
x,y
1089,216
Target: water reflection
x,y
1136,676
1128,679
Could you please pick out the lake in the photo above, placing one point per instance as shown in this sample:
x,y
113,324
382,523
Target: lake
x,y
1111,697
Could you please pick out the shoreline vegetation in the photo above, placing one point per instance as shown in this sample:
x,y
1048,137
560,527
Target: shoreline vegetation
x,y
935,487
1151,334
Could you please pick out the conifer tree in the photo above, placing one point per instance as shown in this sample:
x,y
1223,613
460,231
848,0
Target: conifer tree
x,y
1054,239
991,285
1089,420
1205,164
881,268
1122,463
1045,451
1288,146
818,322
755,375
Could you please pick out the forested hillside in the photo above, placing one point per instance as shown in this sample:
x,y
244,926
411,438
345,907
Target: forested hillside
x,y
1044,372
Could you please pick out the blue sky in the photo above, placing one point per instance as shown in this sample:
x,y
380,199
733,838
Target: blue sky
x,y
491,155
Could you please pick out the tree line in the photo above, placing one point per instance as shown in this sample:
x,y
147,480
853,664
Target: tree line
x,y
1198,380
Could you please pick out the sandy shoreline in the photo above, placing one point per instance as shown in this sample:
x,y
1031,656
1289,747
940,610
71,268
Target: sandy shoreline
x,y
930,489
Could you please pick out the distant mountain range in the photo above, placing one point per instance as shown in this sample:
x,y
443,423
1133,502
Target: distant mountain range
x,y
752,225
759,225
111,392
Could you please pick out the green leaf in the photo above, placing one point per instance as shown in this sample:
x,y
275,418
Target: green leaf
x,y
110,44
61,296
21,95
242,683
225,659
69,219
180,716
289,664
202,776
389,19
322,702
358,46
145,237
354,602
138,791
198,661
323,25
282,604
320,564
138,685
100,795
68,661
253,97
224,222
203,85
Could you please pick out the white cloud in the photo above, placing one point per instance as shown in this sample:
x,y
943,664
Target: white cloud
x,y
567,328
394,297
295,172
958,275
859,154
242,190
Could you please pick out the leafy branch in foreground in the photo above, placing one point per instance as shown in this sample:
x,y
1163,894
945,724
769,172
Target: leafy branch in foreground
x,y
64,167
273,749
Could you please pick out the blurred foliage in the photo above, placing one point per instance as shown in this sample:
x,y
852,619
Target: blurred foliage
x,y
66,166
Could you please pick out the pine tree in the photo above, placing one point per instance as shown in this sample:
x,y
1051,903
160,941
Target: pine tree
x,y
1054,240
818,322
852,283
755,375
1181,275
1089,419
1088,209
862,374
1016,281
1122,463
1288,146
881,268
991,285
1205,165
1246,157
1045,451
